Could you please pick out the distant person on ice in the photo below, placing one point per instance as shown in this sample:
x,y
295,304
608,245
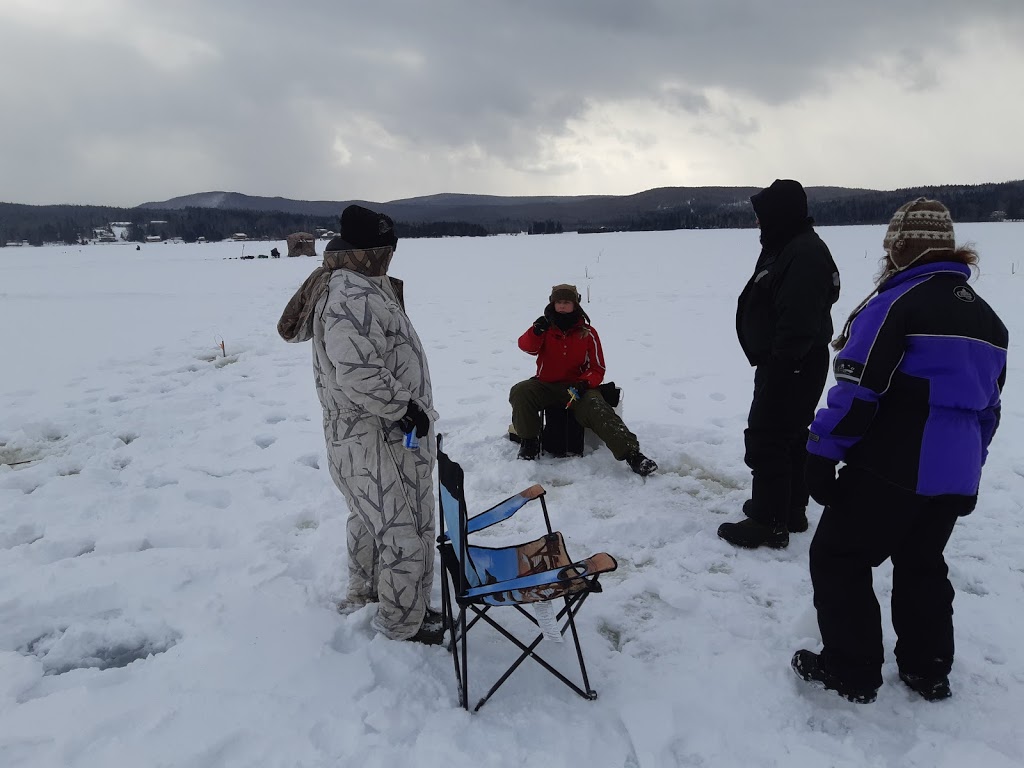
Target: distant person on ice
x,y
372,379
784,324
919,374
569,354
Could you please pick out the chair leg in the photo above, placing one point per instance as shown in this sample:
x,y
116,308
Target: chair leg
x,y
460,664
479,615
591,693
465,661
515,665
456,629
572,606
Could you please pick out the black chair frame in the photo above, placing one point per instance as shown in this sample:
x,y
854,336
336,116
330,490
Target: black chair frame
x,y
471,608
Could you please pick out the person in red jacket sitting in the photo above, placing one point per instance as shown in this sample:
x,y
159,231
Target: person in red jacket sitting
x,y
570,368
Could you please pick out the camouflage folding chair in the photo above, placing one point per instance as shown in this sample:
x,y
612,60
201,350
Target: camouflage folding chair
x,y
477,579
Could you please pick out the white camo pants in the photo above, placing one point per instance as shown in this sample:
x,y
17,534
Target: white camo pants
x,y
391,521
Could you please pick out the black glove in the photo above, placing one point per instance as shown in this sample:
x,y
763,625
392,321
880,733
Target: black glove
x,y
414,418
581,387
540,325
820,474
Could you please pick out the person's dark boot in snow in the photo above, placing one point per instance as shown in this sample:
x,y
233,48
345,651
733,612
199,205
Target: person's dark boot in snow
x,y
935,688
795,523
434,619
751,534
641,464
529,448
809,666
431,631
429,635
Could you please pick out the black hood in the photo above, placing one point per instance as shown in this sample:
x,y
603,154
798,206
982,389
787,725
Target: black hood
x,y
781,212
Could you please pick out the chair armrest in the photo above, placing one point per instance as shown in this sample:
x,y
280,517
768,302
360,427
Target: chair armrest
x,y
602,562
503,510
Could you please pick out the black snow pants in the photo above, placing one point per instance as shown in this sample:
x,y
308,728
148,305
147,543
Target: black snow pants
x,y
785,398
872,520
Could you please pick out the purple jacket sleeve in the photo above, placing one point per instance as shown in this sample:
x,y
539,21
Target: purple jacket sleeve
x,y
863,369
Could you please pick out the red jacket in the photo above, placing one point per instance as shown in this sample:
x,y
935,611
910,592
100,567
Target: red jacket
x,y
575,355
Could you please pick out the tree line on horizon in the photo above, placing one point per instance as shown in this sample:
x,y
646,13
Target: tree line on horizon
x,y
73,224
984,202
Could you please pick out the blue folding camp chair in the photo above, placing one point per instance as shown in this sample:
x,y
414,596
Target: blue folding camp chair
x,y
477,578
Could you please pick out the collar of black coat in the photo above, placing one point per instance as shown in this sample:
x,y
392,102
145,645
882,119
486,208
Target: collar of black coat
x,y
778,234
372,262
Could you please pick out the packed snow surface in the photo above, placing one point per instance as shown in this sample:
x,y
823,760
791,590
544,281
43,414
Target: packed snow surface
x,y
171,545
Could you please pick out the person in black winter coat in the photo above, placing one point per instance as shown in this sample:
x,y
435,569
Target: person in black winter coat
x,y
784,325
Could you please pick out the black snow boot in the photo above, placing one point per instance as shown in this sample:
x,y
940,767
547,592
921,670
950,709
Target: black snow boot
x,y
795,523
434,619
808,666
927,687
751,534
431,631
641,464
529,448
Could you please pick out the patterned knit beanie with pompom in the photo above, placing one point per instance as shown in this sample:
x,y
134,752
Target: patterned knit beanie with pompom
x,y
917,228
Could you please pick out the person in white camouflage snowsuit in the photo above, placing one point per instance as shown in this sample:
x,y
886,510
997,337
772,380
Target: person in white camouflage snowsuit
x,y
374,385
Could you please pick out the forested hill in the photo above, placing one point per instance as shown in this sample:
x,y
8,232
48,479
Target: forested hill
x,y
218,215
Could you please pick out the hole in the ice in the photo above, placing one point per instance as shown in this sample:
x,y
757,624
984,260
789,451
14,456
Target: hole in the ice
x,y
57,658
39,645
114,657
128,437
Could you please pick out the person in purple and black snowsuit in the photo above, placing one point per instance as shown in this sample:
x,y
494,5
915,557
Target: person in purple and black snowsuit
x,y
919,373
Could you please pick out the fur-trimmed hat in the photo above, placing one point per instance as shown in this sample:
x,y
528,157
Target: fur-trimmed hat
x,y
918,227
564,292
363,228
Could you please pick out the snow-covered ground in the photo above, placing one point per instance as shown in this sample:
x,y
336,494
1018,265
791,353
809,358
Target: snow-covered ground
x,y
171,542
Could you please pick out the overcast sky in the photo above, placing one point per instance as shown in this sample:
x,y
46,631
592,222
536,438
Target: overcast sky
x,y
123,101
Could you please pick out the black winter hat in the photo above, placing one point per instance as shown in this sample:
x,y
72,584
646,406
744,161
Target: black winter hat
x,y
363,228
783,203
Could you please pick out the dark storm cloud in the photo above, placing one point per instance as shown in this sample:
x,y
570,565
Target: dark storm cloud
x,y
120,102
